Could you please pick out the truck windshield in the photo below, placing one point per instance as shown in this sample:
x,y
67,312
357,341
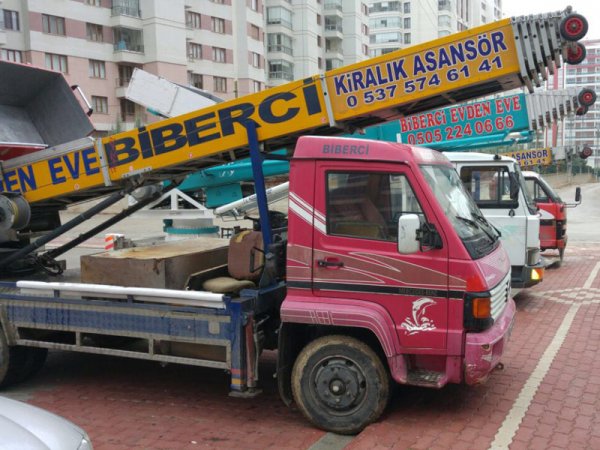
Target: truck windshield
x,y
478,236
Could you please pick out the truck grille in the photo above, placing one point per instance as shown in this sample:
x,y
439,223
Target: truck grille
x,y
500,294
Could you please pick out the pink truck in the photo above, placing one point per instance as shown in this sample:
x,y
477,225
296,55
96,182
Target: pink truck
x,y
384,272
391,270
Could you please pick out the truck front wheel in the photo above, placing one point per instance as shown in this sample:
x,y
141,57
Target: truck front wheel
x,y
340,384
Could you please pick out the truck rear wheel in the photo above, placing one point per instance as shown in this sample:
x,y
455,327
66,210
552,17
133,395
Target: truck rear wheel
x,y
34,361
340,384
12,362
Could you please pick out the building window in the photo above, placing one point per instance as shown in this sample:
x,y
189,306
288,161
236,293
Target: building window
x,y
100,104
194,51
57,62
127,109
254,7
193,20
94,32
318,19
196,80
219,54
319,43
94,2
255,32
407,38
365,50
256,86
128,39
220,84
278,42
218,25
320,63
220,2
383,38
385,22
255,60
279,16
365,29
444,21
11,55
96,69
407,23
125,74
407,8
53,24
281,69
11,20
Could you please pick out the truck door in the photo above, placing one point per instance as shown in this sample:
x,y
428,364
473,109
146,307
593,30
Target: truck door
x,y
551,220
356,255
490,188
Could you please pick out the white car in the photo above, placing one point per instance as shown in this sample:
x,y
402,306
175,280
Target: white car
x,y
23,426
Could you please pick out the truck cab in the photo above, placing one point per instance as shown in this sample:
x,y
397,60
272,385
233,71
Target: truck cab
x,y
553,224
497,185
385,248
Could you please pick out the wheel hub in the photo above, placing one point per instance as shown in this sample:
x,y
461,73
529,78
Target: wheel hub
x,y
574,26
339,384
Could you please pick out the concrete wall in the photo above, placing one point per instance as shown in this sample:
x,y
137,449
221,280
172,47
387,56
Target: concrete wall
x,y
561,179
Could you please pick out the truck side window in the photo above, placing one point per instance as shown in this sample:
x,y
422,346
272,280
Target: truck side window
x,y
367,205
489,186
538,192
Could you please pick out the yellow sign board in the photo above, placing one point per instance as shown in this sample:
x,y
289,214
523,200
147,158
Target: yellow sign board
x,y
533,157
416,73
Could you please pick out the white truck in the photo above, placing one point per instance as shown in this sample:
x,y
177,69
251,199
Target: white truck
x,y
497,185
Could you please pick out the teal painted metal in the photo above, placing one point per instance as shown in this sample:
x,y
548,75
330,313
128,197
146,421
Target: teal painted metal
x,y
233,172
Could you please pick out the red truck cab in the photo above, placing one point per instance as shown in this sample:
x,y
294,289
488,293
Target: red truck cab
x,y
553,223
391,267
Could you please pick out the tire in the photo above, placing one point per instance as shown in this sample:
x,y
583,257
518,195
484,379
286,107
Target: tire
x,y
581,111
561,255
34,361
573,27
340,384
587,97
12,362
576,55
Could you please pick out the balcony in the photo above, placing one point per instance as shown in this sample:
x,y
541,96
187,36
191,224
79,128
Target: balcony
x,y
128,45
333,8
129,8
121,84
333,28
280,48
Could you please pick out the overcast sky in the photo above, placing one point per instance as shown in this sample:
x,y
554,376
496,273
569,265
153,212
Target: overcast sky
x,y
588,8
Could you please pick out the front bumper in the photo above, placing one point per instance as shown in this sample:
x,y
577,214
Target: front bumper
x,y
483,350
522,276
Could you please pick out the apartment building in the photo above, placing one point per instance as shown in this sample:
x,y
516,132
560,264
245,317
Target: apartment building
x,y
398,24
216,45
308,37
579,131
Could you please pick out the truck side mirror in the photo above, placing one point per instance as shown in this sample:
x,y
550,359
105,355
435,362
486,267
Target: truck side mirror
x,y
578,195
408,225
514,186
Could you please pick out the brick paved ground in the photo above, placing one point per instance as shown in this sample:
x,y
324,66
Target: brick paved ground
x,y
127,404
